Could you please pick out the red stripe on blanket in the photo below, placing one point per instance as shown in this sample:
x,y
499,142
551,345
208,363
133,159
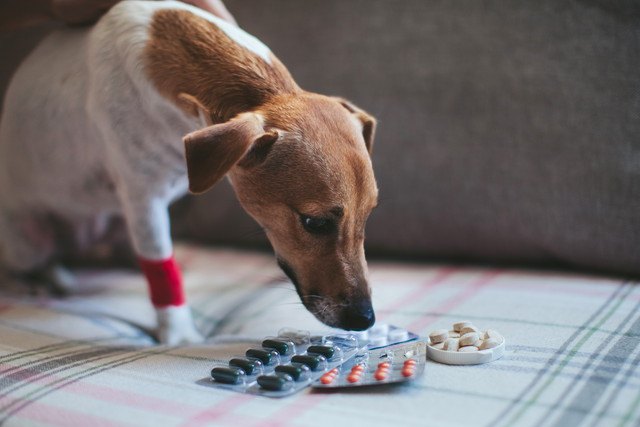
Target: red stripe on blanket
x,y
437,279
221,409
425,320
165,281
131,398
46,414
296,408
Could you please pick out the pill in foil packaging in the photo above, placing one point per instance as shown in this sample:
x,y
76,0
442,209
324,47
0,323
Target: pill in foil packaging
x,y
386,365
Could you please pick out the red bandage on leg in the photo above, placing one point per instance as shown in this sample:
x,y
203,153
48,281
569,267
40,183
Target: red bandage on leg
x,y
165,281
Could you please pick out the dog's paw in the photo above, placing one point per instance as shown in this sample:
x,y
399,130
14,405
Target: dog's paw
x,y
61,281
53,280
175,326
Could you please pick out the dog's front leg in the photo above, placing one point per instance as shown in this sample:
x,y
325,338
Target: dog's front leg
x,y
148,222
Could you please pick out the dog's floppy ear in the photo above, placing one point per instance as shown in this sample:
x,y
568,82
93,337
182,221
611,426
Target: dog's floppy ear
x,y
212,151
368,122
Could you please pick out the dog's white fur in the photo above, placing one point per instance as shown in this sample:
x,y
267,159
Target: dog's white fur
x,y
84,136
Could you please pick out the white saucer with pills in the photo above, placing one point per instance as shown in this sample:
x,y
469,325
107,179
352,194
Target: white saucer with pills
x,y
465,344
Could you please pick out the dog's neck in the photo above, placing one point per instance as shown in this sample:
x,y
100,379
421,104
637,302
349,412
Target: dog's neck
x,y
194,63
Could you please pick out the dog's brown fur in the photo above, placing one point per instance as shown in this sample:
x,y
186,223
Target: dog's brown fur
x,y
189,55
290,154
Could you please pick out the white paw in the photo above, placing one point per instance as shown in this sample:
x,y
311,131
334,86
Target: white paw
x,y
60,280
175,326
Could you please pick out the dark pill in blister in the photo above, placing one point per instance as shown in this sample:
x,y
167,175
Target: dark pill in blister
x,y
312,361
281,347
324,350
293,371
266,356
275,382
248,366
227,375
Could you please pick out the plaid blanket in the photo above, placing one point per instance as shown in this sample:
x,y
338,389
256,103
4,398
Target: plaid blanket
x,y
88,360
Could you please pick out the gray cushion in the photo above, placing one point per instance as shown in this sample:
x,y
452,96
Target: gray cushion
x,y
508,131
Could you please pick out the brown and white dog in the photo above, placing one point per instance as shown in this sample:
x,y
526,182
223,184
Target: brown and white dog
x,y
94,126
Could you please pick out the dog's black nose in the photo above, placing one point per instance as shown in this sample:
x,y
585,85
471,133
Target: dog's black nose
x,y
358,317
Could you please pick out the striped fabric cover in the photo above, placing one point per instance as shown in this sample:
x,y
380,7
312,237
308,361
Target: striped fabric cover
x,y
572,350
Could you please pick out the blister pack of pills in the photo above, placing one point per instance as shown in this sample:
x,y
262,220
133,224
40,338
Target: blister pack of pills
x,y
385,365
286,363
281,365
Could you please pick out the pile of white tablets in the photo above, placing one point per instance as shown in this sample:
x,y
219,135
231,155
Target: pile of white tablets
x,y
465,338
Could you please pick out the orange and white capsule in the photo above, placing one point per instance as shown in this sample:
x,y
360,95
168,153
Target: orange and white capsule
x,y
357,368
327,378
381,375
353,378
407,372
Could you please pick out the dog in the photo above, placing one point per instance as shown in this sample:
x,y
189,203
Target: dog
x,y
159,98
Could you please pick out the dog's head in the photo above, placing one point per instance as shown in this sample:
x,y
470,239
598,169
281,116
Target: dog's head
x,y
301,167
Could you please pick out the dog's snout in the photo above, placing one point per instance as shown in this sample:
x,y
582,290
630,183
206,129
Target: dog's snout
x,y
358,317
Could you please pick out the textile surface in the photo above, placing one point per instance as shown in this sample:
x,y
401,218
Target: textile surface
x,y
572,355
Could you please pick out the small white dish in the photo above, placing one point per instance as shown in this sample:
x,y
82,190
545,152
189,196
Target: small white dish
x,y
471,358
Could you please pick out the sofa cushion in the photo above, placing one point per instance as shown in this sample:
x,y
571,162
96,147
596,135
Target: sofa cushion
x,y
507,132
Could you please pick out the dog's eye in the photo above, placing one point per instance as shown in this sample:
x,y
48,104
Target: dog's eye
x,y
317,225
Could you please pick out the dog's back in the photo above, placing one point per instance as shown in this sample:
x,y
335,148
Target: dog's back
x,y
80,118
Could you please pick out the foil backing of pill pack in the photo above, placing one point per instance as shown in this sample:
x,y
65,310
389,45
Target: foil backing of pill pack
x,y
284,364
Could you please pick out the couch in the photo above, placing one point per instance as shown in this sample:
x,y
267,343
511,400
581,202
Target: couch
x,y
507,159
